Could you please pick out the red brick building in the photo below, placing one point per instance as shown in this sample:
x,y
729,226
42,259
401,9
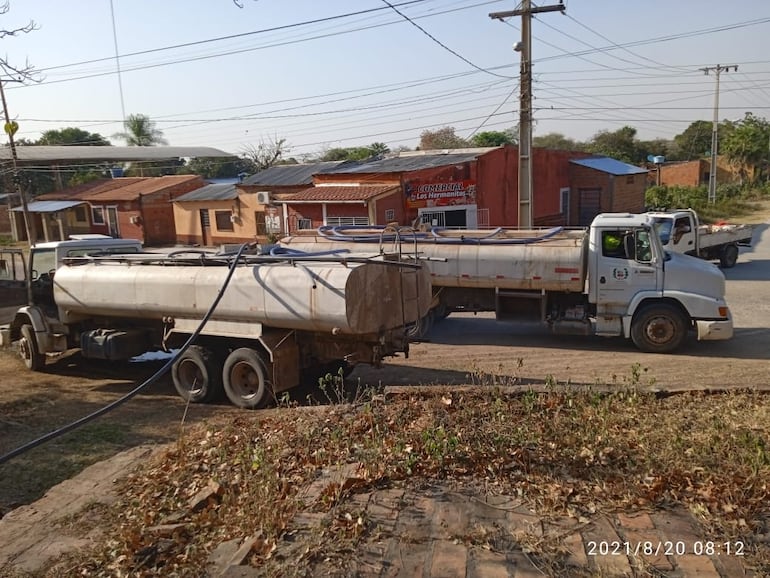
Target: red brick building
x,y
603,185
129,207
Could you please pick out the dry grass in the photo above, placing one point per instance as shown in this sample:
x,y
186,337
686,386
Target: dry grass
x,y
573,453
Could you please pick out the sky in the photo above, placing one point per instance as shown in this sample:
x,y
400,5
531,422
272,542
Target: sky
x,y
346,73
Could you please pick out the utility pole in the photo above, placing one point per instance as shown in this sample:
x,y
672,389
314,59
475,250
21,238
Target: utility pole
x,y
718,69
526,10
10,128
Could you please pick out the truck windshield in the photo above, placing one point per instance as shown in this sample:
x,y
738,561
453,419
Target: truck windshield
x,y
663,228
43,261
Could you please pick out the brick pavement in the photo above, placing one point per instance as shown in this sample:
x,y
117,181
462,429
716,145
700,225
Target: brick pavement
x,y
427,532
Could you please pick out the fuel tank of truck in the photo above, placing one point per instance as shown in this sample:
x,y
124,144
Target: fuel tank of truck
x,y
352,298
551,263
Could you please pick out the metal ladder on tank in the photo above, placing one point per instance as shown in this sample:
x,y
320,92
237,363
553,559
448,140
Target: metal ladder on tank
x,y
409,278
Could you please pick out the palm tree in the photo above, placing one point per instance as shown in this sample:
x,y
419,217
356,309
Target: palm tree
x,y
141,132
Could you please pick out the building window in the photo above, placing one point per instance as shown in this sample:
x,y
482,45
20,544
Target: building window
x,y
80,214
346,221
304,224
630,179
564,201
97,213
224,220
390,215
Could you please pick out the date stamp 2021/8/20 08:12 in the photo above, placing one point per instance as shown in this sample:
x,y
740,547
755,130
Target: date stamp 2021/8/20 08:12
x,y
665,548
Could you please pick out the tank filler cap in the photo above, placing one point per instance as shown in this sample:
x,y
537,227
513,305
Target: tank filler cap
x,y
336,330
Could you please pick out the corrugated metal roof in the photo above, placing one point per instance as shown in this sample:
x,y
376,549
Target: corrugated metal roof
x,y
608,165
288,175
212,192
412,161
108,153
338,193
49,206
120,189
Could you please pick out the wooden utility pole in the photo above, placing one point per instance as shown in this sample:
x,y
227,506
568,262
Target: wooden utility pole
x,y
718,69
526,10
10,128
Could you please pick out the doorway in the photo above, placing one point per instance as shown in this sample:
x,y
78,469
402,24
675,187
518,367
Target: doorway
x,y
112,222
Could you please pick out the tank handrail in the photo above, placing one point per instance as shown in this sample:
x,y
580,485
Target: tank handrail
x,y
278,250
335,233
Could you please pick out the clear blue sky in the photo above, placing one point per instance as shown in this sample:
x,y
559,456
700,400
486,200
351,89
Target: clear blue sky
x,y
376,77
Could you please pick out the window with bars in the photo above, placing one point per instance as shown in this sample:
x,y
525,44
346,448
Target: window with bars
x,y
224,220
304,224
390,215
345,221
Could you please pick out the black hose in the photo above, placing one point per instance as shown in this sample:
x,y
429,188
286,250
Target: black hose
x,y
152,379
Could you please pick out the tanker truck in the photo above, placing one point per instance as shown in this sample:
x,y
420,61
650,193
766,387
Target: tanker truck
x,y
611,279
279,321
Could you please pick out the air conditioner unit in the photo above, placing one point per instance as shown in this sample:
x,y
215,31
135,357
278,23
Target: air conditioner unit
x,y
263,197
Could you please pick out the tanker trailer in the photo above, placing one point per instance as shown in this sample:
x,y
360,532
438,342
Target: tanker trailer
x,y
279,320
612,279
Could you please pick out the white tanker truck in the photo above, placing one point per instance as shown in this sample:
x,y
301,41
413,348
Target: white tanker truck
x,y
612,279
278,319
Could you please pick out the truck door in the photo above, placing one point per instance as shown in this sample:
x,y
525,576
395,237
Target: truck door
x,y
13,284
624,268
683,235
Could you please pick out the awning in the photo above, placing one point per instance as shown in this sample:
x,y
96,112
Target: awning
x,y
49,206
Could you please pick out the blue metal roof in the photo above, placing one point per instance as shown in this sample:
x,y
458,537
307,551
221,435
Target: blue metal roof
x,y
214,192
49,206
608,165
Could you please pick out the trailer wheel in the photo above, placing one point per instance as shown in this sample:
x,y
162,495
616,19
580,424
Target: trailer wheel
x,y
659,328
729,256
30,354
246,380
197,375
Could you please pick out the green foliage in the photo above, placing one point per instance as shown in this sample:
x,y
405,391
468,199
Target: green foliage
x,y
620,145
693,143
140,131
493,138
747,146
355,153
71,136
732,200
214,167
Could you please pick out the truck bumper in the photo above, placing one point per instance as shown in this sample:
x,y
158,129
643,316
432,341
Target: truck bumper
x,y
714,330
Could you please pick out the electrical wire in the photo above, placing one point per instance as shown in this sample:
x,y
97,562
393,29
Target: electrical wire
x,y
149,381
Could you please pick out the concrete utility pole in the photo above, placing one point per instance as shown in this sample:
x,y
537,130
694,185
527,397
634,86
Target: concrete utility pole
x,y
526,10
718,69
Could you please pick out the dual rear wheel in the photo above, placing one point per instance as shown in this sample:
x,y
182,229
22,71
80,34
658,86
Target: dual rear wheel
x,y
201,375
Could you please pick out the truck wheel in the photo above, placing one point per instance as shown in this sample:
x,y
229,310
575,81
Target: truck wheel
x,y
197,375
658,328
28,350
246,379
729,256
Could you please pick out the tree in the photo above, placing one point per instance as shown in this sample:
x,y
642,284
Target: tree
x,y
443,138
556,141
215,167
746,145
493,138
694,142
264,155
354,153
72,136
620,145
140,132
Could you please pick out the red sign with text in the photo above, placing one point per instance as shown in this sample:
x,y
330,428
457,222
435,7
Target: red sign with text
x,y
420,195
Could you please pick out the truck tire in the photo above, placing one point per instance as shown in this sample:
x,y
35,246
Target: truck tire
x,y
246,379
658,328
30,354
729,256
197,375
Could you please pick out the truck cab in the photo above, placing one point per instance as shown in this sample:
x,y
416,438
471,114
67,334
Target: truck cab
x,y
680,231
647,293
